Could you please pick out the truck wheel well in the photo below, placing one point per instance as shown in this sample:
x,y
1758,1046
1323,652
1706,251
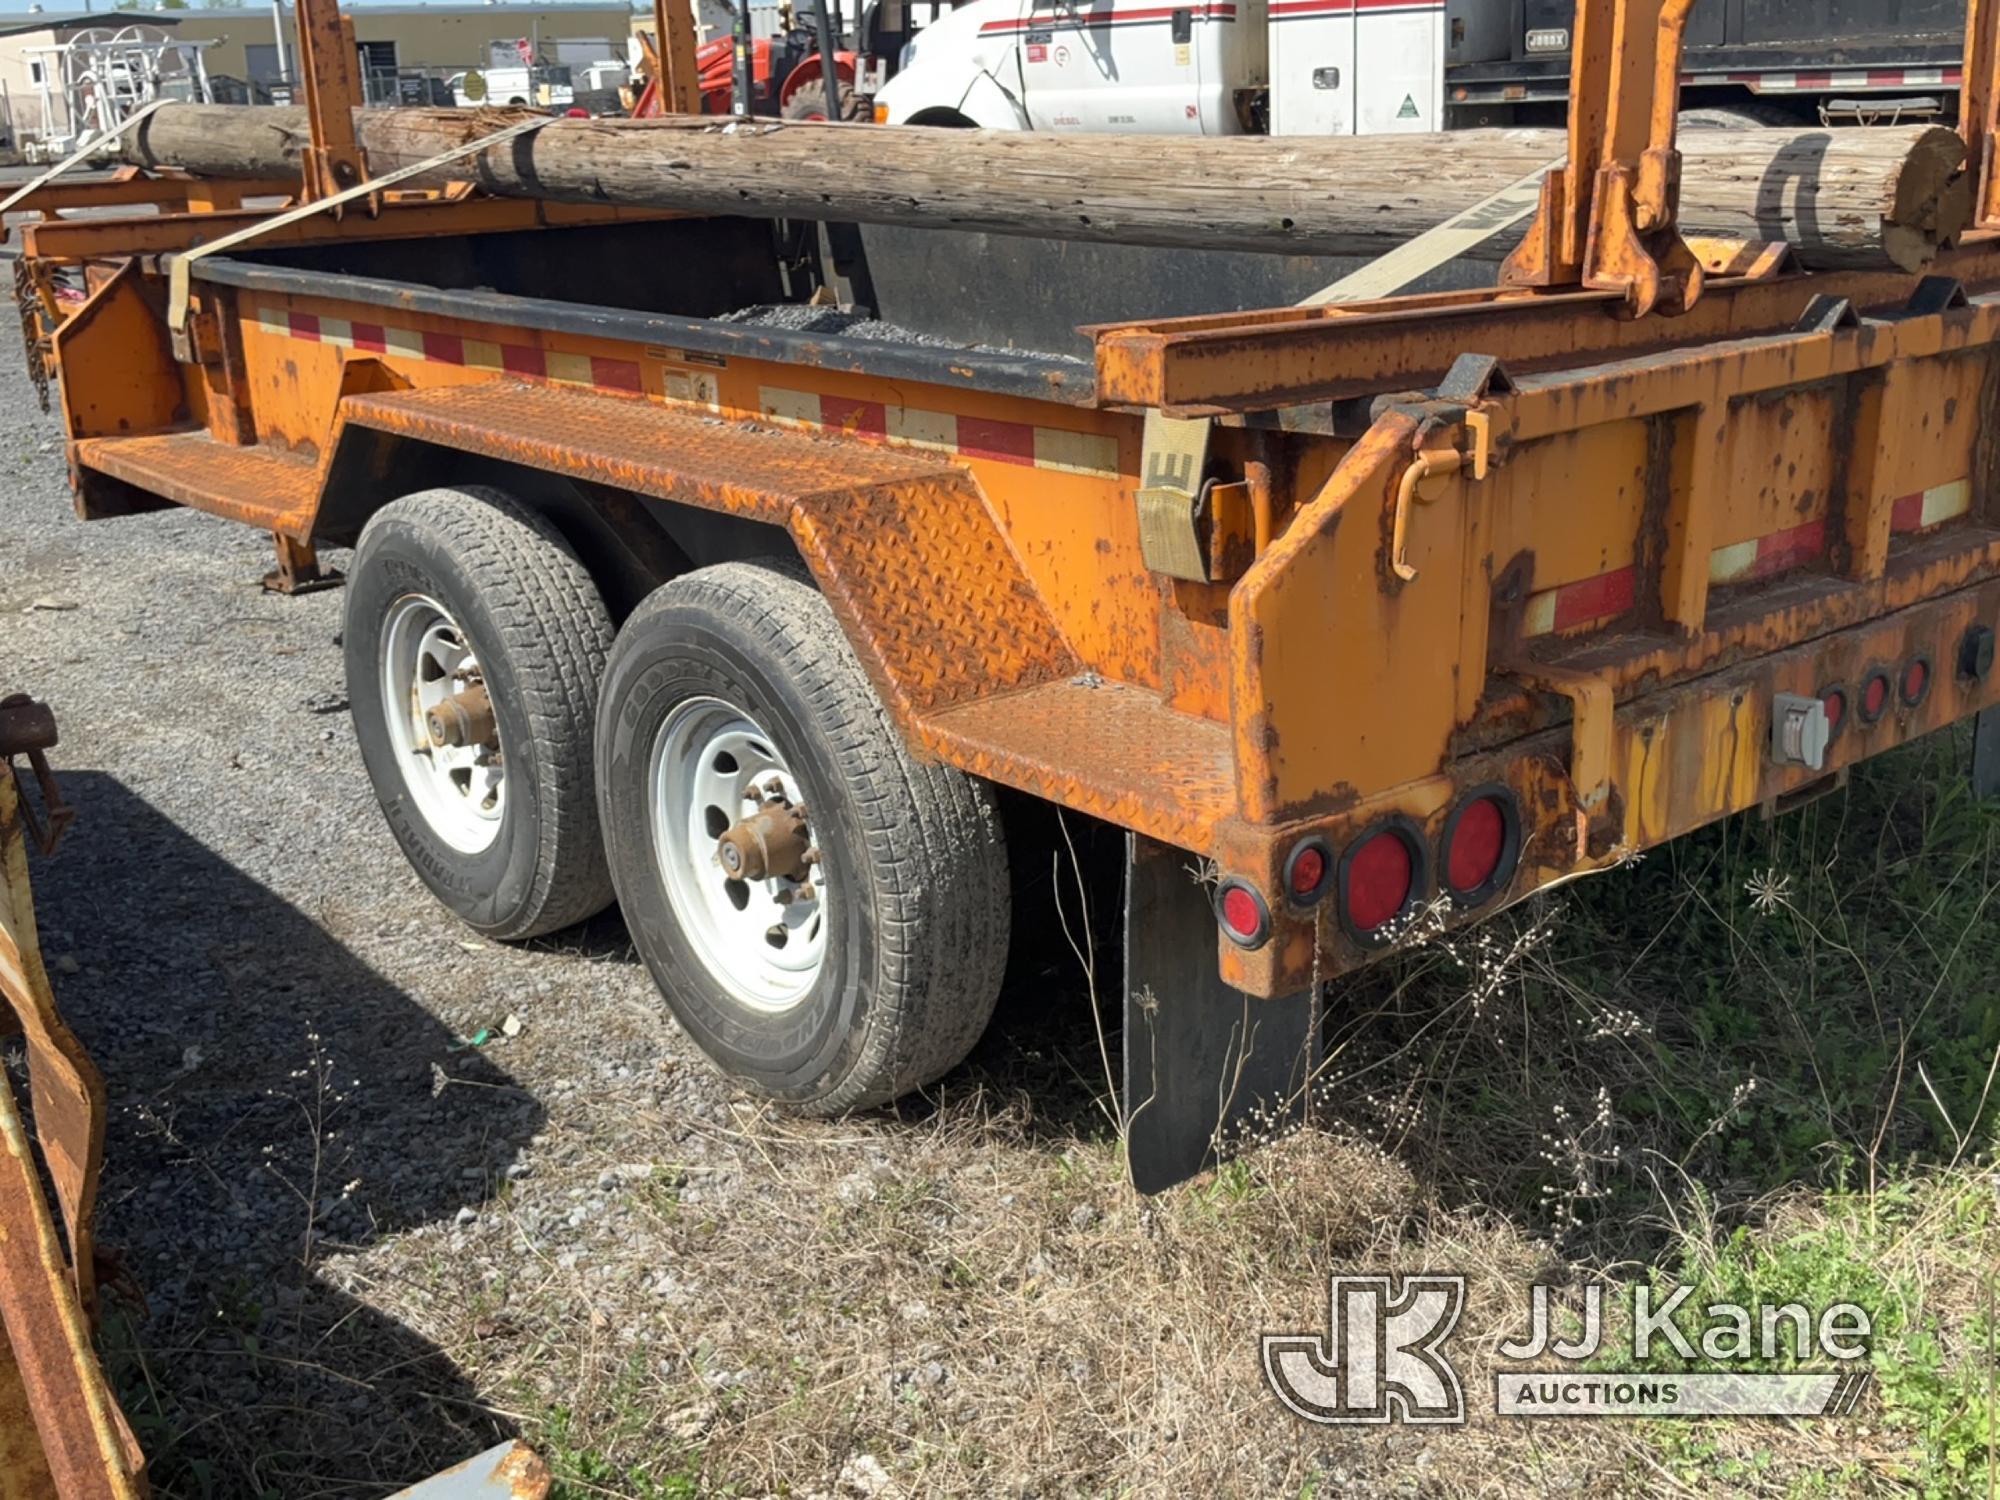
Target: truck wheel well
x,y
629,543
942,116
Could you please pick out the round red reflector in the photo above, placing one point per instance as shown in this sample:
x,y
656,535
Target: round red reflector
x,y
1379,876
1308,870
1916,679
1835,704
1240,913
1477,842
1875,695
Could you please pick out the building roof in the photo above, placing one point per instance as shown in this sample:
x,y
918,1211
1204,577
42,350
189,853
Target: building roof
x,y
14,23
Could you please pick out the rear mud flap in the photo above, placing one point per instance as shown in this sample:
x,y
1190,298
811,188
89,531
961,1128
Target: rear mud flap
x,y
1986,753
1209,1071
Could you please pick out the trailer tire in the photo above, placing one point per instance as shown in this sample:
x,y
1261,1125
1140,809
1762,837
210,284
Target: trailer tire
x,y
474,563
909,868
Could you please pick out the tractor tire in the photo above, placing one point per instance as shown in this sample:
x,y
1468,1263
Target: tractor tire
x,y
859,953
809,102
468,611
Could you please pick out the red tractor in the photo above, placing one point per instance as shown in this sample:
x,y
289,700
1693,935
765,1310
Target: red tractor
x,y
785,73
786,77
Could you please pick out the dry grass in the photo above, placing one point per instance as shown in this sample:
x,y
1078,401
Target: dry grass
x,y
1761,1060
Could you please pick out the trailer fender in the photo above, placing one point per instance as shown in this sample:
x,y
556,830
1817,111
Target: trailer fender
x,y
904,546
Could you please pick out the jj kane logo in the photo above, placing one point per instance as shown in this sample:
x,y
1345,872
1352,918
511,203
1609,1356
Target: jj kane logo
x,y
1383,1357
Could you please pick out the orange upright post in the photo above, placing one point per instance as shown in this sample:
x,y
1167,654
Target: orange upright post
x,y
1979,103
1609,216
678,80
329,69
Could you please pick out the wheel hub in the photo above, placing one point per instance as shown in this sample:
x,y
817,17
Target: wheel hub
x,y
465,718
772,843
734,844
442,724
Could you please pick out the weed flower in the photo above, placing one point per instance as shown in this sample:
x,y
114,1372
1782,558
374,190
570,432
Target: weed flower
x,y
1769,891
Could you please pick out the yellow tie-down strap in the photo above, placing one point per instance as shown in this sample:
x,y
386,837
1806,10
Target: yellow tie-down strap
x,y
87,148
178,272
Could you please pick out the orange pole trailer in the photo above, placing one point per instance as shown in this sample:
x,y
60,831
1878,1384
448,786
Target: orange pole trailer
x,y
1358,619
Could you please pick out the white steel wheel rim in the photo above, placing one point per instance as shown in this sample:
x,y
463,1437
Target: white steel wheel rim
x,y
461,790
710,764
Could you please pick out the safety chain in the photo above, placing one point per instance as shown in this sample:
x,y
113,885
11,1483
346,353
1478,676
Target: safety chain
x,y
29,301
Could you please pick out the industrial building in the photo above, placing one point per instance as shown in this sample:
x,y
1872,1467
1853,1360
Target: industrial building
x,y
242,49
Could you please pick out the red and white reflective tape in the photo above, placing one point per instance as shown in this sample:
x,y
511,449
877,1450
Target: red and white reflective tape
x,y
1091,453
1592,601
1588,601
593,370
1932,507
1768,555
1812,82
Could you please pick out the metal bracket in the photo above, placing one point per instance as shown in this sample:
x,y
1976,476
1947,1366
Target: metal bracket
x,y
27,729
298,570
1592,715
1608,218
1936,294
1827,314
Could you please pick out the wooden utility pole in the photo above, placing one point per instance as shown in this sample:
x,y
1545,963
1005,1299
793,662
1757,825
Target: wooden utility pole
x,y
1881,197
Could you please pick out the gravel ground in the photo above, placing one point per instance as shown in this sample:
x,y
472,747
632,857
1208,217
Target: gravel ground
x,y
281,1010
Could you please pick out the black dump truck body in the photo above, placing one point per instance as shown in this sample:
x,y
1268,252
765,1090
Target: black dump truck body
x,y
1843,61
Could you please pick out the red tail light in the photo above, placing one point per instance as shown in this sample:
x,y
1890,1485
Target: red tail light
x,y
1481,845
1381,878
1916,680
1874,695
1245,919
1306,870
1834,701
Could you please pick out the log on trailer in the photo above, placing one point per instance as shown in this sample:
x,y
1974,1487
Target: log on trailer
x,y
1854,198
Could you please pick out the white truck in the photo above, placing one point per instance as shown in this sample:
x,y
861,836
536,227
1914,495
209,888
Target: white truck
x,y
543,87
1224,67
1340,67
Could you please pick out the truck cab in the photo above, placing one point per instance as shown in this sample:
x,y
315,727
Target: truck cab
x,y
1085,65
1224,67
